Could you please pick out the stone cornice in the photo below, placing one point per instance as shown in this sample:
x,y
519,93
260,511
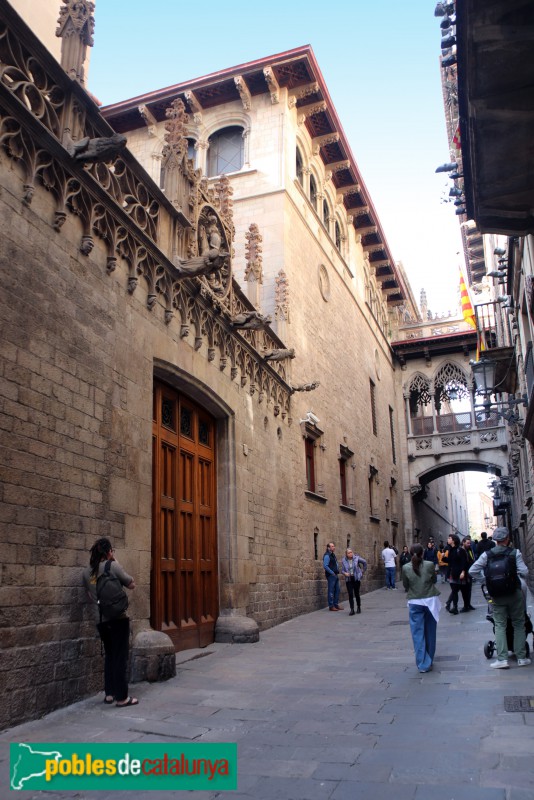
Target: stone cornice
x,y
119,204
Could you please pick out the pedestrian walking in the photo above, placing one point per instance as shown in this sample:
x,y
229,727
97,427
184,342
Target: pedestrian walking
x,y
502,566
389,557
430,553
484,544
457,570
114,630
404,558
466,587
442,563
353,569
419,578
331,571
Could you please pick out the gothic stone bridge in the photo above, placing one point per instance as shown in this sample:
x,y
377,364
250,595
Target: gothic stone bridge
x,y
444,431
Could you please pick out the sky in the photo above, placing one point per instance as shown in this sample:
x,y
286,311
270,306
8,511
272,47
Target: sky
x,y
380,62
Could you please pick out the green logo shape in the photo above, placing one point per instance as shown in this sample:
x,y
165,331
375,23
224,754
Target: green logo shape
x,y
122,766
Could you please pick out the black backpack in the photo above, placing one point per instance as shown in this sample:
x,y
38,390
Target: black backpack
x,y
111,598
501,572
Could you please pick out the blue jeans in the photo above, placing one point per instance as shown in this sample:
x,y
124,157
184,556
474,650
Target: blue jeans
x,y
390,577
423,627
333,590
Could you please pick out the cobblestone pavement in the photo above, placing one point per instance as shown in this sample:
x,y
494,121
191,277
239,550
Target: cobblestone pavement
x,y
331,706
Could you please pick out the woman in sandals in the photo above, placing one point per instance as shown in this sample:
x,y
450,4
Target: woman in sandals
x,y
115,633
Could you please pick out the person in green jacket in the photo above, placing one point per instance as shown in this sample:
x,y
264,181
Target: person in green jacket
x,y
419,580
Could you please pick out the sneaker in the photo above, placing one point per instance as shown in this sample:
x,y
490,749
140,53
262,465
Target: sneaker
x,y
499,664
523,662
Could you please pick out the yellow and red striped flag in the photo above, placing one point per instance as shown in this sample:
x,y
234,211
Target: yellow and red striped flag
x,y
465,301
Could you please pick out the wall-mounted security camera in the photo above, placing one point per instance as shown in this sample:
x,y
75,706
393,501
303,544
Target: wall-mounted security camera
x,y
310,416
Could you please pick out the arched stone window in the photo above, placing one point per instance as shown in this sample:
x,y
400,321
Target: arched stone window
x,y
337,234
450,383
300,167
419,394
225,151
326,213
313,192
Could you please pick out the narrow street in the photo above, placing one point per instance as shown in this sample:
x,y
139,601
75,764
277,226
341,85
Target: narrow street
x,y
332,706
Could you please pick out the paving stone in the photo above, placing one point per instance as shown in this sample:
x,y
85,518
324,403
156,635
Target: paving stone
x,y
319,716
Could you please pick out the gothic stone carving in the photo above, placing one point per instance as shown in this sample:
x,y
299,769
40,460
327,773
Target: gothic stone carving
x,y
102,149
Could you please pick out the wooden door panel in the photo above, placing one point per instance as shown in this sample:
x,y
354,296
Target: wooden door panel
x,y
184,589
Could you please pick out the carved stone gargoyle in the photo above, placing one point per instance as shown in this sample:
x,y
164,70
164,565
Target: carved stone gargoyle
x,y
250,320
104,148
278,355
306,387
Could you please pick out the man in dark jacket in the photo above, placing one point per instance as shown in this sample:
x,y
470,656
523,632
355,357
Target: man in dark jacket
x,y
331,571
430,553
457,564
484,544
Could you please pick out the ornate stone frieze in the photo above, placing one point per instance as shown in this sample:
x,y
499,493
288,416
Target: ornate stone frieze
x,y
195,106
149,119
76,25
311,111
305,91
272,83
357,211
116,206
76,17
281,297
339,166
323,141
244,92
253,256
175,138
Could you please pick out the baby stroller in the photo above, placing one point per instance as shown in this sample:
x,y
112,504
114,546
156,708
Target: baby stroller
x,y
489,647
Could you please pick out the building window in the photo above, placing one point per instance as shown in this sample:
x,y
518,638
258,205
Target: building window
x,y
393,500
309,445
300,168
343,481
313,455
373,484
191,151
346,479
373,407
392,434
226,151
313,192
326,214
337,232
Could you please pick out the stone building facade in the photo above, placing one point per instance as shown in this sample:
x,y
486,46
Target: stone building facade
x,y
197,367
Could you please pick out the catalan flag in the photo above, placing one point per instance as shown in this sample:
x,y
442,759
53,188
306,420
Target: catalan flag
x,y
465,301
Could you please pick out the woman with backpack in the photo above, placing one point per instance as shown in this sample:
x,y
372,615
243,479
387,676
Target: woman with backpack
x,y
104,580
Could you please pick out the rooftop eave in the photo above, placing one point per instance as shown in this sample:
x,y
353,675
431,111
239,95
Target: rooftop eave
x,y
296,70
495,51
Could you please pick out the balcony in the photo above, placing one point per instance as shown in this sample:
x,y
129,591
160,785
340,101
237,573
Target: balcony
x,y
455,433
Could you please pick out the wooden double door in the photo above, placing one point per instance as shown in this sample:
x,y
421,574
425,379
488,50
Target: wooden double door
x,y
184,577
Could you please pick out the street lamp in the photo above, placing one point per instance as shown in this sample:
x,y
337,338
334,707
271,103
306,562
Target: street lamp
x,y
484,375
